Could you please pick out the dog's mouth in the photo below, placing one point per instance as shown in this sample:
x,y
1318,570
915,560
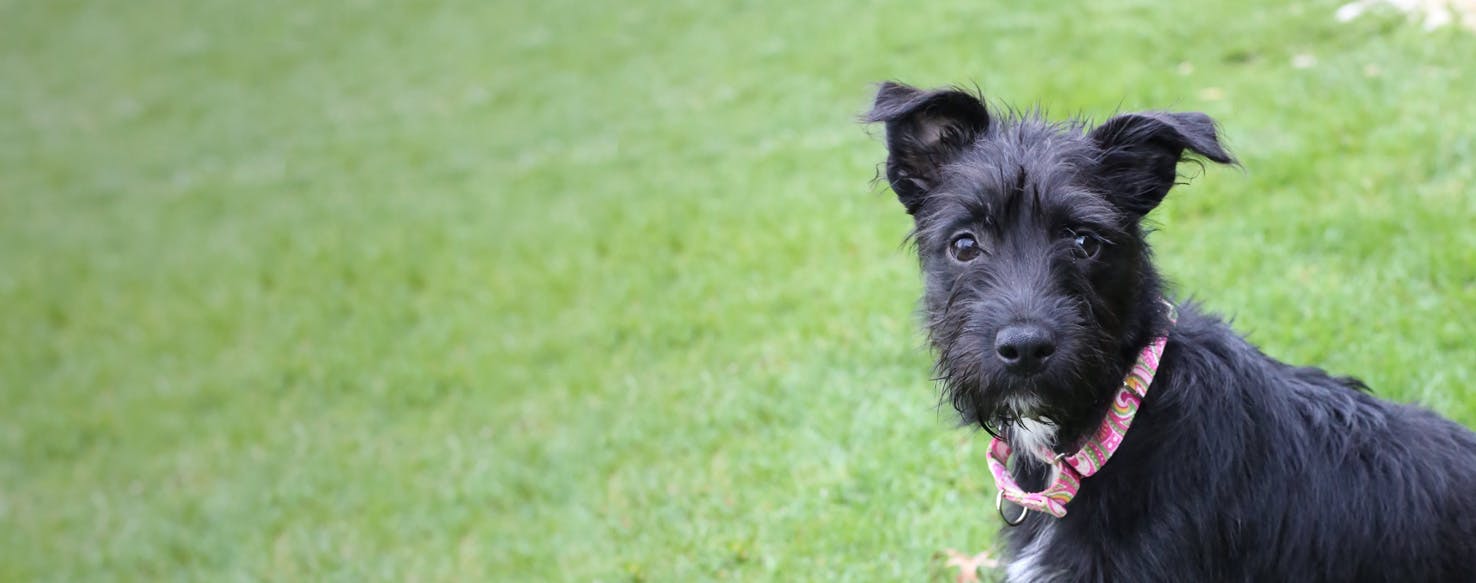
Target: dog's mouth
x,y
987,392
1000,399
1015,412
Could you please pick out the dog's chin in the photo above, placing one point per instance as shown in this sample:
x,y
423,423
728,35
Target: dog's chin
x,y
1054,395
987,395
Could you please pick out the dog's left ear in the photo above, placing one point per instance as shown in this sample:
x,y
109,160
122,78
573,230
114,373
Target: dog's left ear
x,y
1141,153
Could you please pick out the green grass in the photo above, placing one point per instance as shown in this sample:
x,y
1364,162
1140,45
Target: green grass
x,y
575,290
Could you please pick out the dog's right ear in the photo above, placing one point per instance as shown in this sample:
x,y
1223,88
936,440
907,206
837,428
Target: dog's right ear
x,y
925,130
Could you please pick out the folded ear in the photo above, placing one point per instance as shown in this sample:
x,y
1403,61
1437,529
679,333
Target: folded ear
x,y
925,130
1141,153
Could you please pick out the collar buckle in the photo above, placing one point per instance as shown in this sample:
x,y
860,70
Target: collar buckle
x,y
999,506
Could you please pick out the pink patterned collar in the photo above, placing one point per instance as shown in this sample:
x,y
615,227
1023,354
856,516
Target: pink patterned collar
x,y
1092,455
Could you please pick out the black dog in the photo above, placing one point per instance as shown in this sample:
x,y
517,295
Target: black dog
x,y
1040,295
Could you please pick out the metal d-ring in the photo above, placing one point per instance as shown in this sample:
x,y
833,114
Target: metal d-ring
x,y
999,505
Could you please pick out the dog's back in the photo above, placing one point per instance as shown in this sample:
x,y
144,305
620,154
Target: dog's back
x,y
1243,468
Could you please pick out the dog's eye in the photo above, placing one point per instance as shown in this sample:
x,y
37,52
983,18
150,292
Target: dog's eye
x,y
1087,244
964,248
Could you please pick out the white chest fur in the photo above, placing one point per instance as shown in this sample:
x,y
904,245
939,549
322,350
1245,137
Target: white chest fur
x,y
1034,438
1029,566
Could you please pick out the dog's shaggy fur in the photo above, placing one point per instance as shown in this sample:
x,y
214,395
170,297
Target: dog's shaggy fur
x,y
1039,295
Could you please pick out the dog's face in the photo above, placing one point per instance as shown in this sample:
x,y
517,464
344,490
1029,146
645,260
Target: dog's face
x,y
1037,279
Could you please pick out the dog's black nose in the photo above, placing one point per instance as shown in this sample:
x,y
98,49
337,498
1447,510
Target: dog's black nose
x,y
1024,348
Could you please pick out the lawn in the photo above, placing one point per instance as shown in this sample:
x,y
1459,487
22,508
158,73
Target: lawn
x,y
560,290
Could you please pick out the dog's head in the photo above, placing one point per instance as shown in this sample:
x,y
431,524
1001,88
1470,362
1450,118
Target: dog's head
x,y
1038,287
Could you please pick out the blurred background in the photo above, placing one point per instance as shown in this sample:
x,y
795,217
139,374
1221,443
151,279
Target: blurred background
x,y
522,290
